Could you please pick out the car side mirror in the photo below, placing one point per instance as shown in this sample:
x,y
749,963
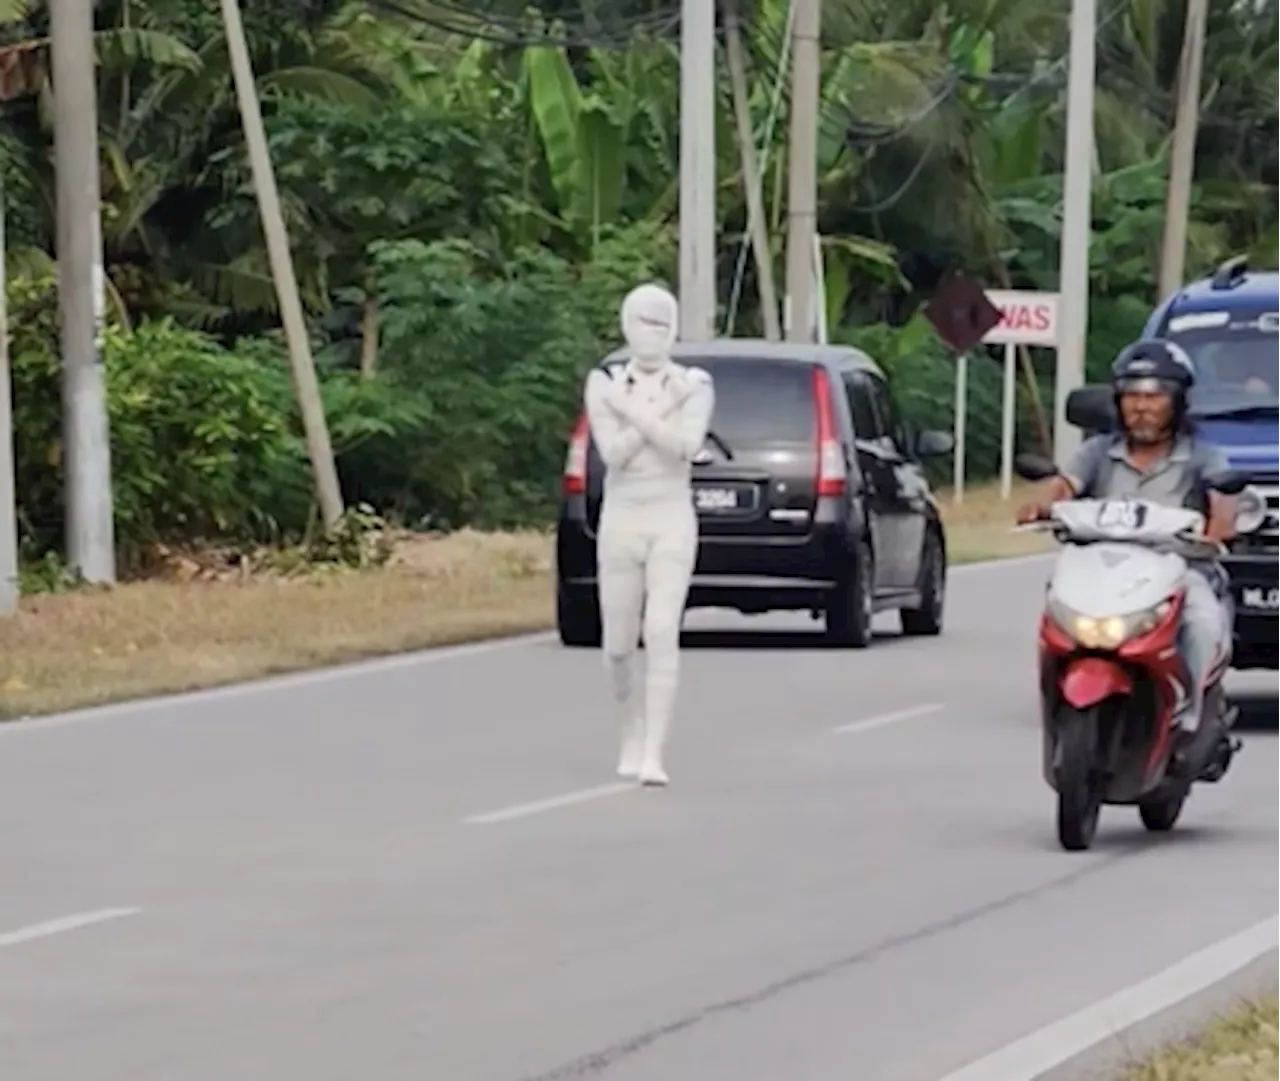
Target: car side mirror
x,y
1092,408
932,443
1034,467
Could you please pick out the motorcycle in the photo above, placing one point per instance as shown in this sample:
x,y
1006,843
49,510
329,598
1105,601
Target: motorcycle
x,y
1114,690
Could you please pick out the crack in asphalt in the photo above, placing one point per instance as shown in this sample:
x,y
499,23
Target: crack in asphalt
x,y
595,1063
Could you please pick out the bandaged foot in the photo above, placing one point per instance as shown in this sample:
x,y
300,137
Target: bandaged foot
x,y
652,775
631,759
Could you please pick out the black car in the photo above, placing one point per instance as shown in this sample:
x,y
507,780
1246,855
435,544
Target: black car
x,y
810,495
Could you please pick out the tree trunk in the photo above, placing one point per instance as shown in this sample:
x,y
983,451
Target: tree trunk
x,y
368,338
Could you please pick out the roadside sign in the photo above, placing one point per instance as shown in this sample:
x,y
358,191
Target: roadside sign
x,y
1026,318
961,313
964,313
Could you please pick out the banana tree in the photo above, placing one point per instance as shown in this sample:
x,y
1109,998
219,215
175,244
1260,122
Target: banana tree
x,y
609,138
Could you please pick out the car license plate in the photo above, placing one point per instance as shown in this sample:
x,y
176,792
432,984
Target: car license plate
x,y
722,500
1260,598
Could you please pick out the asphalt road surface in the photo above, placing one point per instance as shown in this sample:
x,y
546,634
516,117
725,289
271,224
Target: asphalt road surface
x,y
426,871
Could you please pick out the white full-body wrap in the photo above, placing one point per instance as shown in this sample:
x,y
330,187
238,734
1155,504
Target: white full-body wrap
x,y
648,419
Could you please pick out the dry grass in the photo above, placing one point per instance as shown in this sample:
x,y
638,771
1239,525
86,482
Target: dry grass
x,y
88,647
1241,1046
981,526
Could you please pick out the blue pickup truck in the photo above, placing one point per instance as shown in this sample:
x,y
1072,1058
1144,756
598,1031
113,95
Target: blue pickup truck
x,y
1228,323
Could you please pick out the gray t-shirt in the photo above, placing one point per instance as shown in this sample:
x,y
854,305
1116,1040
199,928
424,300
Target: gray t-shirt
x,y
1102,469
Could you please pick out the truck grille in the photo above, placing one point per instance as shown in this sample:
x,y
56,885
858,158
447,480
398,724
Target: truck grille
x,y
1266,541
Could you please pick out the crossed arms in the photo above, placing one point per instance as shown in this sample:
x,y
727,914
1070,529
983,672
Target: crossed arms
x,y
621,424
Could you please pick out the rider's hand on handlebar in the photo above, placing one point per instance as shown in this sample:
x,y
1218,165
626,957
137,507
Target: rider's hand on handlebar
x,y
1032,512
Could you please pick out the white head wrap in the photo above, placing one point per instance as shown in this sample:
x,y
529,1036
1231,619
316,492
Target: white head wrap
x,y
648,317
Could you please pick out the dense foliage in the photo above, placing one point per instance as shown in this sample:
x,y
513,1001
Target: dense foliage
x,y
469,191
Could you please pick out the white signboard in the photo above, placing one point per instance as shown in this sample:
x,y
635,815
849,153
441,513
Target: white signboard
x,y
1026,318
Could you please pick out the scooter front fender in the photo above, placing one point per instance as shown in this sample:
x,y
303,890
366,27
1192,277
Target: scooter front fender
x,y
1086,681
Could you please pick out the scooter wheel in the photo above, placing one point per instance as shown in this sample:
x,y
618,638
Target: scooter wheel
x,y
1079,803
1159,815
1078,815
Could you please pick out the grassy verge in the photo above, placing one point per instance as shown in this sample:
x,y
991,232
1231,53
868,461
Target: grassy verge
x,y
1240,1046
196,628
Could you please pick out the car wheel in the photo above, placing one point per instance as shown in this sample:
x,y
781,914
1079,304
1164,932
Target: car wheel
x,y
850,609
578,618
927,619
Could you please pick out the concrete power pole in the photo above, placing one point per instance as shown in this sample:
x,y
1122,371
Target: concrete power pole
x,y
81,280
1182,158
8,493
802,189
697,170
751,184
319,448
1077,220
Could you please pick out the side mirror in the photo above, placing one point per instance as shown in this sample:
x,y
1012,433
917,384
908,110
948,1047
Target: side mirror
x,y
1092,408
932,443
1227,481
1034,467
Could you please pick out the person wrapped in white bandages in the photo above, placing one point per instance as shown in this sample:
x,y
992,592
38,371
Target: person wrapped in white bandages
x,y
649,417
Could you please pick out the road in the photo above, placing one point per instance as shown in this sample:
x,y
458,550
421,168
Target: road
x,y
373,875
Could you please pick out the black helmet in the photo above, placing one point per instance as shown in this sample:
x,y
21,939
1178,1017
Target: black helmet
x,y
1153,361
1155,365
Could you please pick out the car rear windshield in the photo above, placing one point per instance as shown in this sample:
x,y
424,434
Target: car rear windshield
x,y
760,401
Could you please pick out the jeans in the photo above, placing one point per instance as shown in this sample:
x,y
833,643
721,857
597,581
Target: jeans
x,y
1204,638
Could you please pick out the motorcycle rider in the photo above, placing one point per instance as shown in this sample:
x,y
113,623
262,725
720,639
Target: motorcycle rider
x,y
1156,456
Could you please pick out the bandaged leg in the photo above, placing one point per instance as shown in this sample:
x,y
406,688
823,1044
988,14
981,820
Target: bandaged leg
x,y
672,555
621,553
1204,640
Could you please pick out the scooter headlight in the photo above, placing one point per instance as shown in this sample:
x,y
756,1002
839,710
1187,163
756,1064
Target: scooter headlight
x,y
1107,632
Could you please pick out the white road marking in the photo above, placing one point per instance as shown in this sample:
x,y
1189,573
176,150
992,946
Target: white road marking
x,y
62,925
1041,1051
373,666
886,719
524,810
585,795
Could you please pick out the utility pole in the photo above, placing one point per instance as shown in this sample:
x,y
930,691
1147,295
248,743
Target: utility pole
x,y
802,189
8,490
319,448
750,171
1182,157
86,437
1077,221
697,170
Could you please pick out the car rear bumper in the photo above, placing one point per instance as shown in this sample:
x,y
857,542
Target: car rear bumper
x,y
753,574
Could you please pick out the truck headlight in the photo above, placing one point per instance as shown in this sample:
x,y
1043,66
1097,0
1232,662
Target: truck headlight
x,y
1251,510
1108,632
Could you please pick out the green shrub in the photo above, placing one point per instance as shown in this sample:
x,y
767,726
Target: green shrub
x,y
201,443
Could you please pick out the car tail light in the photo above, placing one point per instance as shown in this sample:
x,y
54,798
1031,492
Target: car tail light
x,y
832,471
574,481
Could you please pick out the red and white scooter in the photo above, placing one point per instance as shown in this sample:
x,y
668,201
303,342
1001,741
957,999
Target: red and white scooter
x,y
1114,691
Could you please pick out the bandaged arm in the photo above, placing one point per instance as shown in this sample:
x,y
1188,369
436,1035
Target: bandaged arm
x,y
616,441
680,435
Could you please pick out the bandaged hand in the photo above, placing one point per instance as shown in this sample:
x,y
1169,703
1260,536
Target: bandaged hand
x,y
636,410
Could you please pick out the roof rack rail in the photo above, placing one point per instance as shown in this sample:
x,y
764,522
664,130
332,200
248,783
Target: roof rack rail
x,y
1229,274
